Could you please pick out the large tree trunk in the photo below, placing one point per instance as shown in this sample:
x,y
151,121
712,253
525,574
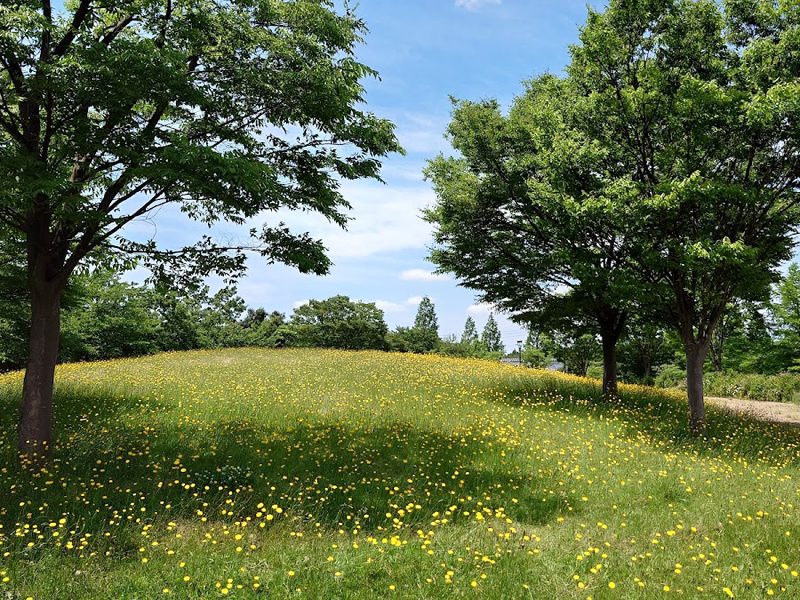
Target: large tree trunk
x,y
609,364
695,356
612,324
647,367
35,424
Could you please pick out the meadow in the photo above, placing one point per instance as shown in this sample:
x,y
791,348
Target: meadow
x,y
327,474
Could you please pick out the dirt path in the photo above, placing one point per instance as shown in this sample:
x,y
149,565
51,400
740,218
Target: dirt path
x,y
776,412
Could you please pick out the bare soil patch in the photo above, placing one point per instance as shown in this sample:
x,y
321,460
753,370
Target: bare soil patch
x,y
775,412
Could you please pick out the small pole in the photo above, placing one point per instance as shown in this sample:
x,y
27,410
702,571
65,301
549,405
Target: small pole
x,y
519,343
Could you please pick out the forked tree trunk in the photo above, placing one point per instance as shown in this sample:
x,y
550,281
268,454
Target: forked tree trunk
x,y
695,356
35,424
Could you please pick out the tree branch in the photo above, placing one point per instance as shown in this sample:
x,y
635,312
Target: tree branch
x,y
77,20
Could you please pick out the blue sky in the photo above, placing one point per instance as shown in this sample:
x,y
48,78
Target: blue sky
x,y
425,51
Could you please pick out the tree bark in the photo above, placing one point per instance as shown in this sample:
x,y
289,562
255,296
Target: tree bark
x,y
716,345
695,356
36,418
647,367
612,324
609,363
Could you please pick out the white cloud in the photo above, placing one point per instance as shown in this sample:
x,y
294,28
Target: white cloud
x,y
391,307
394,307
422,275
423,133
473,5
561,290
412,172
481,308
384,219
299,303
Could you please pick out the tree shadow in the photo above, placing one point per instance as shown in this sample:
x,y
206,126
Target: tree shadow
x,y
663,418
120,463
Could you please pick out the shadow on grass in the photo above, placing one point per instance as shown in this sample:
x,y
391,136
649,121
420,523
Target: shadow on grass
x,y
664,419
120,463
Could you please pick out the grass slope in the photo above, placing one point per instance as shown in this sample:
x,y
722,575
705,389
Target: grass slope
x,y
327,474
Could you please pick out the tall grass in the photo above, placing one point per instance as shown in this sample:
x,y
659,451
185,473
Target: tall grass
x,y
256,473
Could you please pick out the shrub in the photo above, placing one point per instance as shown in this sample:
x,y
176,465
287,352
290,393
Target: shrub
x,y
670,376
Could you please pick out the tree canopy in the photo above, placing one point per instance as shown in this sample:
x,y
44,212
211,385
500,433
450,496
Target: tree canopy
x,y
470,335
491,338
339,322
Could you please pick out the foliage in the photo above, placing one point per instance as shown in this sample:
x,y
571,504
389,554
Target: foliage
x,y
670,376
521,213
219,321
575,350
14,306
645,346
424,336
111,111
658,176
491,338
111,319
452,346
339,322
470,335
109,114
692,100
261,334
782,387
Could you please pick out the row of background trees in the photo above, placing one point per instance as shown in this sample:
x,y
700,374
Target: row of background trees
x,y
105,318
752,337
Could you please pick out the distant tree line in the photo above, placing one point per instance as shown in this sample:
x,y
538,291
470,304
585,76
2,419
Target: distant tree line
x,y
753,337
105,317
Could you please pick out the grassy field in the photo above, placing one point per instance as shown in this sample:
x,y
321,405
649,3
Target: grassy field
x,y
327,474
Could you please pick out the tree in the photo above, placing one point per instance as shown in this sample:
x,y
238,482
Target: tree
x,y
645,346
424,335
787,307
696,102
491,338
218,324
108,319
786,314
14,305
111,111
179,317
575,350
340,323
261,334
522,214
426,318
470,335
730,323
533,353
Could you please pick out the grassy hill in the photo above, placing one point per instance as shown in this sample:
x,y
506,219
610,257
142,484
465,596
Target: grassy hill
x,y
252,473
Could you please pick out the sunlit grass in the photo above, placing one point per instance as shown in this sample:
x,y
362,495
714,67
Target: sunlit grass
x,y
326,474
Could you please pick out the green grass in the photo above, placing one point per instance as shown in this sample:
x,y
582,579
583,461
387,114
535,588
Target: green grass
x,y
327,474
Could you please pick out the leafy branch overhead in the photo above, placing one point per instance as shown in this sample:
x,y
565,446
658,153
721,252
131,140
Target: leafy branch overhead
x,y
109,112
